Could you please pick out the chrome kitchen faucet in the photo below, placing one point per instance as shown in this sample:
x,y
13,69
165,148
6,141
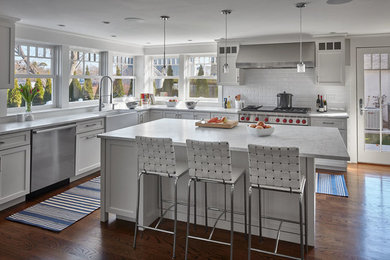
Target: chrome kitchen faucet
x,y
101,105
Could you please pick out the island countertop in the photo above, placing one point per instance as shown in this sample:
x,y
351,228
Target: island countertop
x,y
313,142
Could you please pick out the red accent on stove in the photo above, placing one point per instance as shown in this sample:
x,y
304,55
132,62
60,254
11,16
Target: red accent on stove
x,y
303,121
266,119
298,121
277,120
290,121
256,119
242,118
247,118
285,120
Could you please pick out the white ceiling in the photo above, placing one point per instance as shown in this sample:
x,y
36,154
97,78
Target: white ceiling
x,y
199,20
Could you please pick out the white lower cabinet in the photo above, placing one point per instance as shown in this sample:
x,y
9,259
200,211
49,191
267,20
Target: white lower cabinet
x,y
170,114
155,115
143,117
201,115
185,115
14,173
87,151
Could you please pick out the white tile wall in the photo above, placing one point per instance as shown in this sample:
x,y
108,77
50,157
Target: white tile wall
x,y
262,86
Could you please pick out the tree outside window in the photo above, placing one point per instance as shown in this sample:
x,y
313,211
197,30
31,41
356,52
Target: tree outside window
x,y
166,86
123,76
202,78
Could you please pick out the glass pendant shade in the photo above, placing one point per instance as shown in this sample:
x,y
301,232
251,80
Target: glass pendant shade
x,y
225,68
301,67
164,70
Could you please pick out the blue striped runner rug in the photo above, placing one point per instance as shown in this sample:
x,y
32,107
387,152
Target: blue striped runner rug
x,y
64,209
332,184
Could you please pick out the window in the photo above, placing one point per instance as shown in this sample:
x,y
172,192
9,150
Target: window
x,y
165,86
202,77
33,66
84,75
123,76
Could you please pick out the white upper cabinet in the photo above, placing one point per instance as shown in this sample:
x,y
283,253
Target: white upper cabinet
x,y
331,62
7,45
233,76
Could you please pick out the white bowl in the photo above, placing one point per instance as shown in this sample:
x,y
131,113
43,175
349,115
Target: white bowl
x,y
191,104
171,103
260,132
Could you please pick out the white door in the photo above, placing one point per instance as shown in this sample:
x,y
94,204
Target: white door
x,y
373,82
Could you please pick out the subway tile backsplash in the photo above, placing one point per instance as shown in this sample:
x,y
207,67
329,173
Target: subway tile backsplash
x,y
260,86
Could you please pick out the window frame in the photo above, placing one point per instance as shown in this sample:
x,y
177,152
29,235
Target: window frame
x,y
114,77
189,77
92,77
178,77
53,75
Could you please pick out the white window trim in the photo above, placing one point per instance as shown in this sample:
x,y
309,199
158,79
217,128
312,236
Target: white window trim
x,y
188,78
179,79
114,77
54,76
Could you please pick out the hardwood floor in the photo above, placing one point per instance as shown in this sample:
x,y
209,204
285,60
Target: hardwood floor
x,y
357,227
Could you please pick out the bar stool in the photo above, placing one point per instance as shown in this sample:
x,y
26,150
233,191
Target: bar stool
x,y
276,169
210,162
156,156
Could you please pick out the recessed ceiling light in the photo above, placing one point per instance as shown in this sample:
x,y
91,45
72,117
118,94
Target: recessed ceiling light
x,y
338,2
106,22
61,25
113,36
134,19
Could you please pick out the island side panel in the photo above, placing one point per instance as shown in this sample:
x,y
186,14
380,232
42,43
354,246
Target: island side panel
x,y
103,207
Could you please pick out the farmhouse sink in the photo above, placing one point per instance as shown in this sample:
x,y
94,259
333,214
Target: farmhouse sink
x,y
119,118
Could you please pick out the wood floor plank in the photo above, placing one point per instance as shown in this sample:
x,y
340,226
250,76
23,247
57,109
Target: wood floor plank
x,y
357,227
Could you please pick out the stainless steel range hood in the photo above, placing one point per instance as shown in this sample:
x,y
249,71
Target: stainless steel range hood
x,y
275,56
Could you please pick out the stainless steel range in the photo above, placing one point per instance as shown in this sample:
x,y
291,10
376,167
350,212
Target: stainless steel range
x,y
274,115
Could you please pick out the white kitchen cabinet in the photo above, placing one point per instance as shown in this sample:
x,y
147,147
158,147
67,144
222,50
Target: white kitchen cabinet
x,y
87,151
143,117
201,115
341,125
231,78
14,173
227,115
185,115
331,62
155,115
7,45
170,114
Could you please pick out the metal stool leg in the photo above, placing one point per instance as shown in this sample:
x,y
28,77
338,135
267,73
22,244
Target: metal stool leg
x,y
260,224
161,199
194,204
174,227
205,205
250,223
188,216
301,226
137,212
306,234
231,220
245,213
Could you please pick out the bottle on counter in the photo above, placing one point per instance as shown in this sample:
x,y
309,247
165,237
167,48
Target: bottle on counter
x,y
225,103
325,105
318,102
229,103
321,109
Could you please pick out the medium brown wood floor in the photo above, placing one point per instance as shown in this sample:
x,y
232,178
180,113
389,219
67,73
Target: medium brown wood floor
x,y
357,227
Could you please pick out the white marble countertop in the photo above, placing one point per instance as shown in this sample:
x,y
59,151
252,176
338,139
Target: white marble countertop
x,y
50,121
315,142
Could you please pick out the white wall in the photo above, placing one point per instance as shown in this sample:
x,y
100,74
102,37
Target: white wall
x,y
262,85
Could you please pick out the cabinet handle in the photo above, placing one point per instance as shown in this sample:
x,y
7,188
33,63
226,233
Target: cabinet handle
x,y
90,137
328,123
90,125
1,142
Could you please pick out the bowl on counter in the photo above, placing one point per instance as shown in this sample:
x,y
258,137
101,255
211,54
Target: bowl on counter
x,y
191,104
171,103
131,104
260,131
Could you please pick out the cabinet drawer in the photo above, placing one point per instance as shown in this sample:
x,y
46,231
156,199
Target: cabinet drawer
x,y
87,151
14,140
329,122
90,125
201,115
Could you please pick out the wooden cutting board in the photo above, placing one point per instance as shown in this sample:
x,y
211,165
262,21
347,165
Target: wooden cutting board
x,y
228,125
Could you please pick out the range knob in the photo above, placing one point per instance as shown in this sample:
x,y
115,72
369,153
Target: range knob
x,y
290,121
298,121
247,118
256,119
285,120
242,118
277,120
303,121
266,119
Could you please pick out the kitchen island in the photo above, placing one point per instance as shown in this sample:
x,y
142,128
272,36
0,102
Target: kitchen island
x,y
119,172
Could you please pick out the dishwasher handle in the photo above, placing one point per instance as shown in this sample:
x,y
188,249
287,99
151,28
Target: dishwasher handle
x,y
53,129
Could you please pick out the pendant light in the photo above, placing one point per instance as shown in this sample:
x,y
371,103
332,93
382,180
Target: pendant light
x,y
226,65
164,68
301,65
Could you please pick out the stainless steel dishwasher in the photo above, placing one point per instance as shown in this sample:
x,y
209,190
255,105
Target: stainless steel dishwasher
x,y
52,156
